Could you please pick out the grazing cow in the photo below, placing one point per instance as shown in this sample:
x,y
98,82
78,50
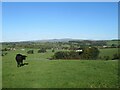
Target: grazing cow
x,y
19,58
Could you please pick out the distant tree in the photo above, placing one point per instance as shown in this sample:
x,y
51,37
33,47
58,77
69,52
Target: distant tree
x,y
5,49
113,45
118,46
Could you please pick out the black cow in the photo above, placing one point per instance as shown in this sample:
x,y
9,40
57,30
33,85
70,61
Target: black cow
x,y
19,58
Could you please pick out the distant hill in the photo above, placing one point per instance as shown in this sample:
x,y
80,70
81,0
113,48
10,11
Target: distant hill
x,y
60,40
56,40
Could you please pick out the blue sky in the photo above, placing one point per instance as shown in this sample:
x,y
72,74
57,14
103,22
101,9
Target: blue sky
x,y
36,21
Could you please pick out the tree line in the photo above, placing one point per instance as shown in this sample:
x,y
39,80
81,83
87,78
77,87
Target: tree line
x,y
87,53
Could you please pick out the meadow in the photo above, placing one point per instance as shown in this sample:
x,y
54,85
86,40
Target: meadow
x,y
44,73
108,52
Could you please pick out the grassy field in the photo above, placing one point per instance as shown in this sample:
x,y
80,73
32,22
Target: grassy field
x,y
108,52
109,43
44,73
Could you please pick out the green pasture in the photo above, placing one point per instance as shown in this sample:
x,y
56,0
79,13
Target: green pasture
x,y
108,52
44,73
109,43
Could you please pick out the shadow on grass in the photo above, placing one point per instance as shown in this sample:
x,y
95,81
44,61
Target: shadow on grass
x,y
24,64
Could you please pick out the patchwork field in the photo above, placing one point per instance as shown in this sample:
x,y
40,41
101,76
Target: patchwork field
x,y
44,73
108,52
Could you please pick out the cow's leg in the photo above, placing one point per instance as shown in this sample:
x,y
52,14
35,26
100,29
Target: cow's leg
x,y
21,63
18,64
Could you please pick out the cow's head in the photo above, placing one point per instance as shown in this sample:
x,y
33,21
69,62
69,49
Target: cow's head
x,y
24,57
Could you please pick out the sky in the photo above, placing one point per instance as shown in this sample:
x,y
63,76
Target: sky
x,y
23,21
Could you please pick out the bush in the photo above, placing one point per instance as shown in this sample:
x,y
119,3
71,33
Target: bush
x,y
106,57
100,58
30,52
6,49
74,55
116,56
3,53
43,50
53,50
88,53
61,55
